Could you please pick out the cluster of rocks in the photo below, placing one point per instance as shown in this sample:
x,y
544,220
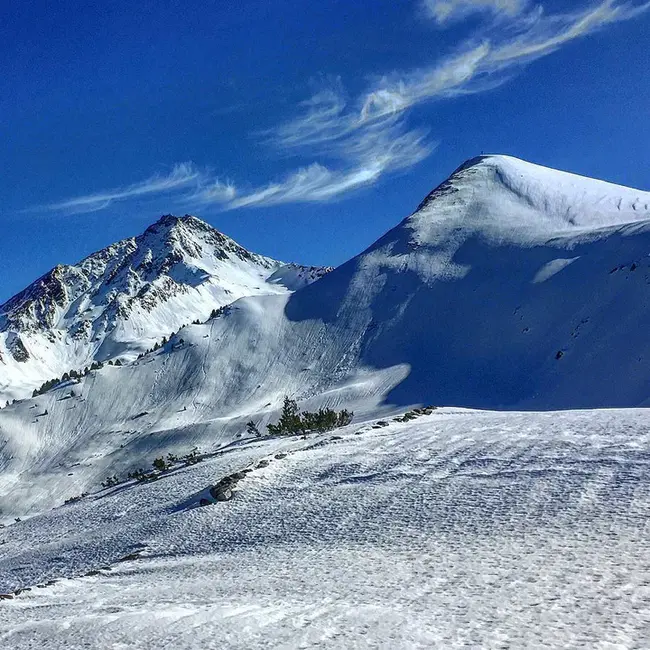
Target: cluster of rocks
x,y
406,417
16,592
415,413
223,490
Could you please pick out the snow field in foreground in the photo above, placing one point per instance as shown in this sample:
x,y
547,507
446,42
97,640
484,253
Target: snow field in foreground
x,y
459,529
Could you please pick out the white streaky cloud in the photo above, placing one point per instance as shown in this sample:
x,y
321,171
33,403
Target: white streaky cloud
x,y
445,11
445,79
537,34
320,121
375,152
387,146
182,175
365,155
529,34
215,191
312,183
545,35
328,124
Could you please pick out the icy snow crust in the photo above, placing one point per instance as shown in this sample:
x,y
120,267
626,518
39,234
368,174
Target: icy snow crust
x,y
458,529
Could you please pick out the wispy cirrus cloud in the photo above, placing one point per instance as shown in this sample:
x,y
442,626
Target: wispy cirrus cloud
x,y
371,155
375,153
182,176
363,158
444,11
368,136
543,34
477,65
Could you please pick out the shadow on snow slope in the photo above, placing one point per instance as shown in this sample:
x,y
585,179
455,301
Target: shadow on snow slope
x,y
503,325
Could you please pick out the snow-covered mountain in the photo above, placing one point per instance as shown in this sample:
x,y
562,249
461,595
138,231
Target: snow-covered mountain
x,y
118,302
511,286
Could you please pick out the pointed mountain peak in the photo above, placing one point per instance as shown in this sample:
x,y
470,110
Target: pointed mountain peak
x,y
170,224
117,302
168,221
171,229
190,238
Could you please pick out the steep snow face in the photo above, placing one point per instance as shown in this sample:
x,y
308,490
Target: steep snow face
x,y
511,200
120,300
511,285
502,201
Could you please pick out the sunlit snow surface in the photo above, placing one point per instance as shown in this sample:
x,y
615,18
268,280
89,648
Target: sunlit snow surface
x,y
122,300
458,529
512,286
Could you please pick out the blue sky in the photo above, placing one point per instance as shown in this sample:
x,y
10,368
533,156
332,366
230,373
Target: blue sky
x,y
303,130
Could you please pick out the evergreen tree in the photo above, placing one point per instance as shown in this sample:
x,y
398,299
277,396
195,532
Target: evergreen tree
x,y
344,418
252,430
290,420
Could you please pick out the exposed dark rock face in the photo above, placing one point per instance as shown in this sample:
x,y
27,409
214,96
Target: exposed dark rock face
x,y
17,348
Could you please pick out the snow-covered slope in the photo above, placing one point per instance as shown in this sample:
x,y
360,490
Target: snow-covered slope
x,y
487,296
515,200
458,529
119,301
511,286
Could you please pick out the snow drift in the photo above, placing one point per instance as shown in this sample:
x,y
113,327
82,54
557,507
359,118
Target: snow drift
x,y
454,530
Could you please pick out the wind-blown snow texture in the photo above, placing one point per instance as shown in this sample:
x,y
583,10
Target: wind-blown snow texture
x,y
119,301
458,529
511,287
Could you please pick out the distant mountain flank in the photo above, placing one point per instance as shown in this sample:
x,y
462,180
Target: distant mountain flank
x,y
118,301
512,285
